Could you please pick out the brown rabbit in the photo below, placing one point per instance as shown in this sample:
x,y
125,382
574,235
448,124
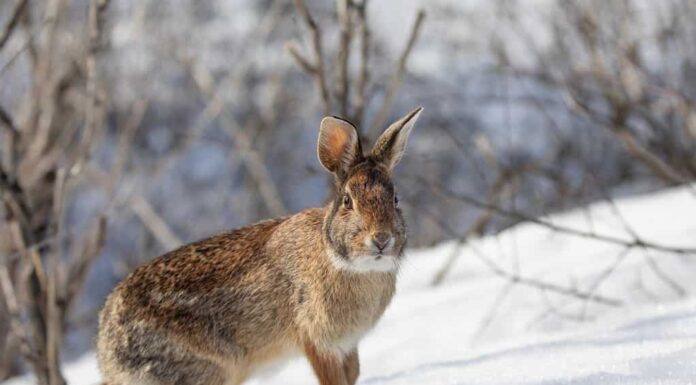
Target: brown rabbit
x,y
215,311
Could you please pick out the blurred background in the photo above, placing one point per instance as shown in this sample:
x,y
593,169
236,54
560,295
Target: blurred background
x,y
128,128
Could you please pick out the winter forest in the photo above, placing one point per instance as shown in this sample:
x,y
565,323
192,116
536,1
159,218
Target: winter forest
x,y
548,185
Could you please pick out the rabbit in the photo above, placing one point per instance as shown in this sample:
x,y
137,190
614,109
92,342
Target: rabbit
x,y
219,310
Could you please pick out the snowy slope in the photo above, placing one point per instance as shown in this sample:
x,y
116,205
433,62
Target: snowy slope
x,y
477,328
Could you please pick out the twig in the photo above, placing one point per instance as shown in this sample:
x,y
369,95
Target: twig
x,y
497,302
97,8
542,285
77,273
364,74
7,122
398,75
154,223
13,196
242,142
16,15
319,72
477,228
127,132
604,275
562,229
517,278
678,289
659,167
12,304
553,309
294,51
345,19
15,55
53,323
446,267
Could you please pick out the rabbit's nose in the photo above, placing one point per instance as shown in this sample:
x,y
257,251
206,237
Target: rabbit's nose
x,y
381,240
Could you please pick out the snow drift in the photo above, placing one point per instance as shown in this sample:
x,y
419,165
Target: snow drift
x,y
580,311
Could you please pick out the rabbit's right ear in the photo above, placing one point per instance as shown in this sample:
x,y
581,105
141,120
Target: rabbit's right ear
x,y
391,145
338,147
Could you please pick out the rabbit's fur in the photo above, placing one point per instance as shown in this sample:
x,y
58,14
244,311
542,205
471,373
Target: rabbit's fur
x,y
217,310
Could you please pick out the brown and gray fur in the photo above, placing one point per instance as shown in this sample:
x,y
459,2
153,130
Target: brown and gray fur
x,y
218,310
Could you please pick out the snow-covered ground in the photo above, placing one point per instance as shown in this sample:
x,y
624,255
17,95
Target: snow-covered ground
x,y
476,327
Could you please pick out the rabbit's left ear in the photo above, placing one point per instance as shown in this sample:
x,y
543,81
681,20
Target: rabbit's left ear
x,y
339,146
391,145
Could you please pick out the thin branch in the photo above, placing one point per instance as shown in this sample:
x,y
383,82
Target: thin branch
x,y
678,289
516,277
604,275
497,303
77,273
16,15
302,61
154,223
232,80
657,165
123,146
13,196
542,285
53,317
95,27
8,122
398,75
241,140
364,74
16,324
562,229
505,178
345,19
319,72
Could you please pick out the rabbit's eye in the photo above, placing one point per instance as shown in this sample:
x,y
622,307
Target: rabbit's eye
x,y
347,203
396,201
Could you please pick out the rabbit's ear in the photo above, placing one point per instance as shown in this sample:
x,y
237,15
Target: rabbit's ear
x,y
391,145
338,147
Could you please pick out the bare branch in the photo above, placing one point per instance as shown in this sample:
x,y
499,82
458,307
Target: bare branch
x,y
7,122
364,74
604,275
77,273
659,167
515,277
242,142
398,75
562,229
345,19
497,303
127,132
302,61
53,323
13,196
97,8
677,288
319,72
19,328
154,223
542,285
505,178
16,14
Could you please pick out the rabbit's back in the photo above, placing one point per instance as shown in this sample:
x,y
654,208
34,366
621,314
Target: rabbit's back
x,y
218,299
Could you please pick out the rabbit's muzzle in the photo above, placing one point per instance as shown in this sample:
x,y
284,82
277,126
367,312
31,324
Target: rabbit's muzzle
x,y
381,240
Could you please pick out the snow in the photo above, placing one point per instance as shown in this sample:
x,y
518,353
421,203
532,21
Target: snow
x,y
478,328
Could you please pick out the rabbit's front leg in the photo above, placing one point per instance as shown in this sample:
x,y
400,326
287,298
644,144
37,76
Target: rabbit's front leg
x,y
329,366
351,367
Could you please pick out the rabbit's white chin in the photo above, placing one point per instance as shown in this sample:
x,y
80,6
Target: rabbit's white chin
x,y
365,263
